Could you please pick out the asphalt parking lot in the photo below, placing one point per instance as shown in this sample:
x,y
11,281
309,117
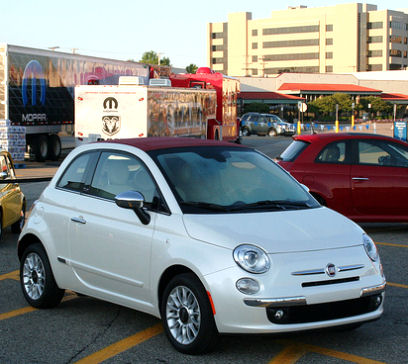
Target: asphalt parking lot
x,y
86,330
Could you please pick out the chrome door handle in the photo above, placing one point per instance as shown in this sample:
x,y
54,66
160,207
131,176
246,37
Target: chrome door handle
x,y
78,219
360,179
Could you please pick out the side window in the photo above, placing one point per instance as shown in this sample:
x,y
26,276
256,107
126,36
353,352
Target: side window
x,y
382,154
116,173
74,176
333,153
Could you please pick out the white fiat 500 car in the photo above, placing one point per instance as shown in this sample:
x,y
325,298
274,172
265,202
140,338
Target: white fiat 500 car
x,y
209,236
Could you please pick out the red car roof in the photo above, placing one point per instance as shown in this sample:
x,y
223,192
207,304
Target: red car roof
x,y
155,143
336,136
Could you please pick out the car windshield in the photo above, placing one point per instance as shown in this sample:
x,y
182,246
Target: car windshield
x,y
219,179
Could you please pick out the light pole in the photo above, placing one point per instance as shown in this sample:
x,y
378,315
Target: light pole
x,y
53,48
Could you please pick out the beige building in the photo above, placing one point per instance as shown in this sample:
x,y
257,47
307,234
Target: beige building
x,y
337,39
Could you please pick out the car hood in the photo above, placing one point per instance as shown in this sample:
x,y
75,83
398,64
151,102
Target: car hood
x,y
277,231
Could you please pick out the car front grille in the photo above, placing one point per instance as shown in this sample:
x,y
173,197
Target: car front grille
x,y
323,311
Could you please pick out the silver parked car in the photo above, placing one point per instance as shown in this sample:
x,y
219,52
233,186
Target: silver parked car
x,y
265,124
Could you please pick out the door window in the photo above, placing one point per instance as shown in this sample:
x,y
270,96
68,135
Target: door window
x,y
117,173
382,154
74,176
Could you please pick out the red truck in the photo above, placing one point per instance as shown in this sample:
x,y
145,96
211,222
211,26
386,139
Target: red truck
x,y
225,126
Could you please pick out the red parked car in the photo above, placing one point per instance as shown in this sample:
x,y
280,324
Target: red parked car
x,y
362,176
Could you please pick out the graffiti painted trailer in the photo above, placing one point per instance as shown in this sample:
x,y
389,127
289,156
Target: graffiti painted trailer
x,y
126,110
37,92
225,125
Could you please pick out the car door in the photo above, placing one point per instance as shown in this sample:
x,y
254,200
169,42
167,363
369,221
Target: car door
x,y
328,175
380,178
10,193
110,248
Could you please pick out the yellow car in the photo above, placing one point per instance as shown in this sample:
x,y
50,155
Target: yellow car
x,y
12,200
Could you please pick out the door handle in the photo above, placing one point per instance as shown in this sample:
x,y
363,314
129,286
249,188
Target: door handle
x,y
360,179
78,219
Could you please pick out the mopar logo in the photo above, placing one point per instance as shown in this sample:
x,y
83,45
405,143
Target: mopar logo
x,y
110,103
33,71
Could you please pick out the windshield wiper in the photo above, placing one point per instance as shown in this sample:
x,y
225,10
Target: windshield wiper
x,y
268,204
205,205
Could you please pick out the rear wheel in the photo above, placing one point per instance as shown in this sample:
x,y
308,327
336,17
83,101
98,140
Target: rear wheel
x,y
36,278
40,148
54,147
245,132
187,315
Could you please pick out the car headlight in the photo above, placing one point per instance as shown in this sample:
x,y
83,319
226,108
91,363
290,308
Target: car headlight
x,y
370,248
251,258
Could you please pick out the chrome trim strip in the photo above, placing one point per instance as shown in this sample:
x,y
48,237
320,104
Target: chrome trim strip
x,y
369,291
275,302
346,268
343,268
308,272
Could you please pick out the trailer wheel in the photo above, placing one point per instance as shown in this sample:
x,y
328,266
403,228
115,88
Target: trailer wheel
x,y
40,148
54,147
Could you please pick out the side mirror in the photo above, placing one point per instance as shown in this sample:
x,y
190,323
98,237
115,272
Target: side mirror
x,y
133,200
305,187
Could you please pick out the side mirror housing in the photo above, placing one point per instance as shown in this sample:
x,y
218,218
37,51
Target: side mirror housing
x,y
133,200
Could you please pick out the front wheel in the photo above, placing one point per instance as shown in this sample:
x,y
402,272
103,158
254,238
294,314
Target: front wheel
x,y
187,315
36,279
272,132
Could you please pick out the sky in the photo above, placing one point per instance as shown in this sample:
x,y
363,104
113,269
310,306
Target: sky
x,y
125,29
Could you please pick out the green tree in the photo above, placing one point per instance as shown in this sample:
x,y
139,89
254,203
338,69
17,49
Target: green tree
x,y
165,61
191,68
150,57
378,105
256,107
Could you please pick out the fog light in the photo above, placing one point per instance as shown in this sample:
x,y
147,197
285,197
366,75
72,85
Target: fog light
x,y
278,315
247,286
375,301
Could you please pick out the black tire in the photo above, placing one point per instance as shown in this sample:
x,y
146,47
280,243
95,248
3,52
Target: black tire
x,y
54,147
40,148
272,132
37,280
245,132
196,325
18,225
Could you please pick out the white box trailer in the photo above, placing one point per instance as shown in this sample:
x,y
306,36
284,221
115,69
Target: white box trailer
x,y
127,111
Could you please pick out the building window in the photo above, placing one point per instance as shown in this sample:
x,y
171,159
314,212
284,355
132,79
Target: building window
x,y
395,66
329,27
395,39
329,41
216,48
289,30
217,60
291,43
254,45
375,25
329,68
276,70
375,67
290,56
254,58
254,72
398,25
405,40
395,53
376,39
377,53
329,55
254,32
217,35
405,54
